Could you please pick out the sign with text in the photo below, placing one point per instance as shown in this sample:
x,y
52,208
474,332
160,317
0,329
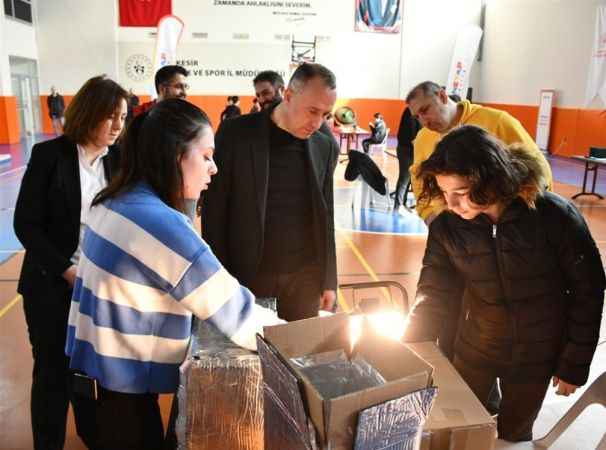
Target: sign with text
x,y
279,16
215,68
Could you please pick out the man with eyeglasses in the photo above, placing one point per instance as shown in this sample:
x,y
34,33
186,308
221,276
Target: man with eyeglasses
x,y
171,82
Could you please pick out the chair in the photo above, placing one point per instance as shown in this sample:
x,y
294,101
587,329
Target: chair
x,y
369,198
399,301
381,147
595,393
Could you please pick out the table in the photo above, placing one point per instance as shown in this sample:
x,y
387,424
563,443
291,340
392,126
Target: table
x,y
350,134
591,165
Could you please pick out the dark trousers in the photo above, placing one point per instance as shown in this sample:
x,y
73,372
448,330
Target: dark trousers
x,y
367,142
298,293
520,404
405,159
46,318
119,421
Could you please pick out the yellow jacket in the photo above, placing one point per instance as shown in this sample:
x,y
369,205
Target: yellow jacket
x,y
499,123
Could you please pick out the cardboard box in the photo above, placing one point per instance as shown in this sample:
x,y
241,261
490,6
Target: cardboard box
x,y
336,419
457,421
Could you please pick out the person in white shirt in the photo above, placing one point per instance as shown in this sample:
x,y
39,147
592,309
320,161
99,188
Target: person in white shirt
x,y
62,177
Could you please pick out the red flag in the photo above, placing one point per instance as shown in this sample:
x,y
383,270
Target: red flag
x,y
143,13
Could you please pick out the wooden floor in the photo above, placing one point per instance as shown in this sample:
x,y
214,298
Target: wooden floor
x,y
362,256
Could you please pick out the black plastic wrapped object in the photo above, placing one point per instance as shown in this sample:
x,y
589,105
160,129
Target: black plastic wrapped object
x,y
396,424
333,375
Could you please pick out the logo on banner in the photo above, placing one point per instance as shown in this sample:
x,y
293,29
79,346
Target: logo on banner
x,y
138,67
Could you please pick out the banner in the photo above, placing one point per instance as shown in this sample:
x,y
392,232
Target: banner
x,y
466,47
596,79
170,29
378,16
143,13
547,100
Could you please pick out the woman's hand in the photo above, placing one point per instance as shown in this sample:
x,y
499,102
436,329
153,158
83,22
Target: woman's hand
x,y
564,388
70,275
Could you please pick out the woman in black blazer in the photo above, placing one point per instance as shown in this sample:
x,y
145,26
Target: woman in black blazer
x,y
62,176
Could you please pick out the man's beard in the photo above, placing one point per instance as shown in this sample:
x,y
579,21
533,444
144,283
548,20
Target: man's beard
x,y
277,99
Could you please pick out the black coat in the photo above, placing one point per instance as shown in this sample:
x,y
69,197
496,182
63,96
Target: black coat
x,y
47,213
408,129
56,105
233,208
531,286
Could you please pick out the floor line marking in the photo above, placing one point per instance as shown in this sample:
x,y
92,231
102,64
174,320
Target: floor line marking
x,y
12,170
12,303
365,264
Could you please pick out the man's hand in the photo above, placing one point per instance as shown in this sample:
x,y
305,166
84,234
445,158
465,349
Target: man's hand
x,y
70,275
327,300
564,388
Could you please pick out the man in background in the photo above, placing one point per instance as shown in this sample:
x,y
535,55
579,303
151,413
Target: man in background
x,y
438,114
56,110
269,88
170,82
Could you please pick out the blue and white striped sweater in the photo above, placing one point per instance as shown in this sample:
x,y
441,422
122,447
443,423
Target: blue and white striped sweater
x,y
143,271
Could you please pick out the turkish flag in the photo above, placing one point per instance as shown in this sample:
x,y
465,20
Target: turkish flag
x,y
143,13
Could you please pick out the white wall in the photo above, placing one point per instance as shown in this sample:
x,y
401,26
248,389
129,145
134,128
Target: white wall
x,y
428,38
531,45
76,40
80,38
16,39
5,74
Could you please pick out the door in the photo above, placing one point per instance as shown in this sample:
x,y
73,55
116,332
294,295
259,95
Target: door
x,y
24,82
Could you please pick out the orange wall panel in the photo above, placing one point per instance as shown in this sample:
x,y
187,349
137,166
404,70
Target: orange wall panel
x,y
365,108
9,122
591,130
573,130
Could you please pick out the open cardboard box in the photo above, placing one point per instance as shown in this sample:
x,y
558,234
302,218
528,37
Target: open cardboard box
x,y
335,419
457,420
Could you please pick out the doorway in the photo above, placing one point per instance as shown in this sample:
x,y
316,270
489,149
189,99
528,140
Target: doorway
x,y
24,81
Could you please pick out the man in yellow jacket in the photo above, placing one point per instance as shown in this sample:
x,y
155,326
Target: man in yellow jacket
x,y
438,115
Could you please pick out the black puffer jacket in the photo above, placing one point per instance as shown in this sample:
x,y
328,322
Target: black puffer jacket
x,y
531,289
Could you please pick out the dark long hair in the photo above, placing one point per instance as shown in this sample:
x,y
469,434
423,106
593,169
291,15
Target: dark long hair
x,y
152,149
496,173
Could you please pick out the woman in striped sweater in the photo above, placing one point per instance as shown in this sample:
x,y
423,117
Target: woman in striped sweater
x,y
143,272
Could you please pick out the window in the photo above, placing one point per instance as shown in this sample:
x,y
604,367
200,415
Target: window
x,y
19,9
8,7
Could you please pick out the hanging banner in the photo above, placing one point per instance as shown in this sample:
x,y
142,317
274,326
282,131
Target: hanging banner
x,y
378,16
170,29
596,79
143,13
466,47
544,118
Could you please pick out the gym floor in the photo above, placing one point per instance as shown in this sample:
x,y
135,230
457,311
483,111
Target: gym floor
x,y
373,243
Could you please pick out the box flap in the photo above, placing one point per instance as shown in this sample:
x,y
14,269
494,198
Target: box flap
x,y
456,406
315,335
341,425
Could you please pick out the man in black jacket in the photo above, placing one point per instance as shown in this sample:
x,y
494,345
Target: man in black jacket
x,y
407,131
268,215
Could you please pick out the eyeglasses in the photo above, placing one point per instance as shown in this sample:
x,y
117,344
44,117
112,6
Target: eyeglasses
x,y
182,86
